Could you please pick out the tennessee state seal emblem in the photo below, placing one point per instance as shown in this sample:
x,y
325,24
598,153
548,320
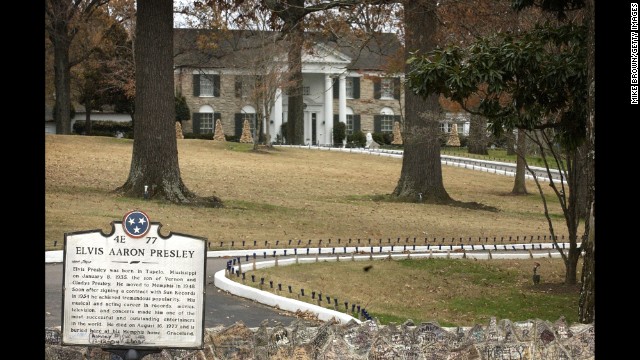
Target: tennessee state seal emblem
x,y
136,224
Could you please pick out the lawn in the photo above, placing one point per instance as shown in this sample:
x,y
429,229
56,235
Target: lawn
x,y
300,195
282,194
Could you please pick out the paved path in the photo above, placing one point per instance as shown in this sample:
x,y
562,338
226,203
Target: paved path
x,y
221,308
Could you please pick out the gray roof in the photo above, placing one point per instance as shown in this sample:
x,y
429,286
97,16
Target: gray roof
x,y
231,49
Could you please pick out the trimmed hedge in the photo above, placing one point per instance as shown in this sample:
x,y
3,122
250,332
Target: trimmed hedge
x,y
105,128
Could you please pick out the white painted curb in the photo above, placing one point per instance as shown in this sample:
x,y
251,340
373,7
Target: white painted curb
x,y
267,298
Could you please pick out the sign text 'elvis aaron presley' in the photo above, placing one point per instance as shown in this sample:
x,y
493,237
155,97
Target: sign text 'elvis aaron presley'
x,y
134,288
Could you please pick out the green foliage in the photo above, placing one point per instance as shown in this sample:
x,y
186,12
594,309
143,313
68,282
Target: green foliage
x,y
339,132
105,128
357,139
182,109
533,80
382,138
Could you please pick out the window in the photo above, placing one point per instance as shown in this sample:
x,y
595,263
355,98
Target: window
x,y
349,124
352,88
247,113
386,88
306,90
206,123
386,123
252,121
206,86
444,127
349,83
244,85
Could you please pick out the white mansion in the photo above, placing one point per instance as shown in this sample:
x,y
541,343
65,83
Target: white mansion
x,y
342,81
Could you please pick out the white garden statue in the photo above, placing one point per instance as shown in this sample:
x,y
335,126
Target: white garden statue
x,y
371,144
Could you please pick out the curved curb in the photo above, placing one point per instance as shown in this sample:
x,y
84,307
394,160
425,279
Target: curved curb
x,y
324,314
267,298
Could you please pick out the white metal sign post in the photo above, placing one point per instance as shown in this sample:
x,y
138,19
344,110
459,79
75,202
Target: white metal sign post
x,y
133,288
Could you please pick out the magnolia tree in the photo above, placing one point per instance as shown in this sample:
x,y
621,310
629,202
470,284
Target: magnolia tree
x,y
535,82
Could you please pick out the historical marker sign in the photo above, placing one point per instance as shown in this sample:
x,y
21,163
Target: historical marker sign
x,y
133,288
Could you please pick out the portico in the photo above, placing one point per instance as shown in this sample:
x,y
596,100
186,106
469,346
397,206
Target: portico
x,y
319,72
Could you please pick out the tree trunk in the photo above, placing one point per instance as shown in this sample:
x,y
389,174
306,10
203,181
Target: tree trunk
x,y
421,174
588,288
62,81
511,142
519,184
477,141
154,161
587,291
295,109
87,118
571,267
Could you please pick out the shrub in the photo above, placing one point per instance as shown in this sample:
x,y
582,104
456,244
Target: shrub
x,y
464,140
357,139
198,136
105,128
382,138
339,132
182,109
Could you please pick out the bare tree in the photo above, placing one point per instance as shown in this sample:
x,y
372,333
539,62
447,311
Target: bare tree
x,y
63,20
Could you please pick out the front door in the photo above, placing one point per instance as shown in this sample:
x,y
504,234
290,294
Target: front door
x,y
314,140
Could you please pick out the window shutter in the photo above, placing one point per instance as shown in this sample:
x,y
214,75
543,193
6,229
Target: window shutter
x,y
376,88
196,85
397,118
336,119
238,86
377,123
336,89
196,123
356,88
396,88
238,123
216,85
356,122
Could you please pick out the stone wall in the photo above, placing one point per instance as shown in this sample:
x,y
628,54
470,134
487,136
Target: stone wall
x,y
305,339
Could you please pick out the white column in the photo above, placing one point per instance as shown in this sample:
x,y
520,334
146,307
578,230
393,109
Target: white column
x,y
342,100
328,109
277,115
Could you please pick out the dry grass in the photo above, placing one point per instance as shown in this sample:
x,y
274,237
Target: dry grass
x,y
278,195
284,194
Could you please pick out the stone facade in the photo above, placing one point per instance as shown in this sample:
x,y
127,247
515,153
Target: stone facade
x,y
532,339
367,106
228,105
